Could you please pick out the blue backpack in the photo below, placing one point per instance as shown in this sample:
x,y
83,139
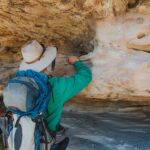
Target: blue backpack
x,y
26,97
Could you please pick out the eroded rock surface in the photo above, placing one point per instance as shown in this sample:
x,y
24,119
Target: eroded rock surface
x,y
119,73
140,44
65,23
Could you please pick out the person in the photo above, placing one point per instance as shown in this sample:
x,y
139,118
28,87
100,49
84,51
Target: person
x,y
40,59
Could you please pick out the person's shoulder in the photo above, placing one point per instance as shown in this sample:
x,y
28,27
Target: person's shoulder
x,y
54,79
58,84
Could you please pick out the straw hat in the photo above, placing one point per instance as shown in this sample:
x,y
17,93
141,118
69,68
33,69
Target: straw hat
x,y
35,57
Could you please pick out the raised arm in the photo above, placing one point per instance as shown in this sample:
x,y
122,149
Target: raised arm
x,y
67,87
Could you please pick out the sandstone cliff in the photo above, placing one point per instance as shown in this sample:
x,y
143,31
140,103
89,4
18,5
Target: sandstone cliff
x,y
102,27
65,23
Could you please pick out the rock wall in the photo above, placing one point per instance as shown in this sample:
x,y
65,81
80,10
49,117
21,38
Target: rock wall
x,y
78,27
65,23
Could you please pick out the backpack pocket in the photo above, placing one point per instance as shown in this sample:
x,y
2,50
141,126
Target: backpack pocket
x,y
21,136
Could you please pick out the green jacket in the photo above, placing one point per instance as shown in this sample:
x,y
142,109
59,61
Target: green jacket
x,y
64,88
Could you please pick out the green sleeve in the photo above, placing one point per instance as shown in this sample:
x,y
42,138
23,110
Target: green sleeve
x,y
64,88
67,87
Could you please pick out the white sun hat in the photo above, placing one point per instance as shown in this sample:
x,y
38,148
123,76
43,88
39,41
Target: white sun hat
x,y
35,57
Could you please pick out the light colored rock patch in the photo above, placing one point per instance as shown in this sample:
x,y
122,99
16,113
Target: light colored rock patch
x,y
118,71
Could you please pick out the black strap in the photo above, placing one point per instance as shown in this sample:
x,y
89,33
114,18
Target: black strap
x,y
41,125
45,135
5,137
53,64
17,122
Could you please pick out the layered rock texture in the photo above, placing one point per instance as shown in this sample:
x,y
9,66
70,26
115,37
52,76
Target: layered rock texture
x,y
141,43
65,23
109,31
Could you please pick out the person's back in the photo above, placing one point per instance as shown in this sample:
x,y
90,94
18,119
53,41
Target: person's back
x,y
64,88
40,59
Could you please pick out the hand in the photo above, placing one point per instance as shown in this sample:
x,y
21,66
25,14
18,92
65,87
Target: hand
x,y
72,59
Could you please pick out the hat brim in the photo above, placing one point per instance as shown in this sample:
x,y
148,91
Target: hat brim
x,y
48,56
